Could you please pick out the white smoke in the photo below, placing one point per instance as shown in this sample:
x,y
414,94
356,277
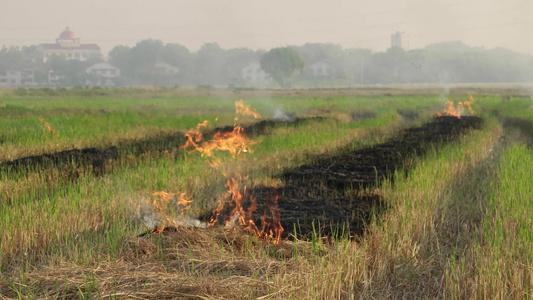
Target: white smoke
x,y
146,214
445,93
280,115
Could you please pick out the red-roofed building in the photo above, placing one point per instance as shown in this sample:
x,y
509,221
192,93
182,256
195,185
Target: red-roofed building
x,y
69,45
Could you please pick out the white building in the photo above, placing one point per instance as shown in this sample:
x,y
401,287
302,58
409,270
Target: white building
x,y
102,74
54,78
69,45
17,78
254,74
321,68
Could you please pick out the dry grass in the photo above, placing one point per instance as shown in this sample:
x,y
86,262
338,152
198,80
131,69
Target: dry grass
x,y
9,152
432,242
407,255
433,213
189,264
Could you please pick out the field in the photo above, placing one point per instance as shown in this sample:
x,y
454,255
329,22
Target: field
x,y
312,194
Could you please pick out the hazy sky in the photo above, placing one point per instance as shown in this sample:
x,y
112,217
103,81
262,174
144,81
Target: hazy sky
x,y
267,24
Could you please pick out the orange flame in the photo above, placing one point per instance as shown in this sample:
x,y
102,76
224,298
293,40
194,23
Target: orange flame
x,y
194,135
161,204
244,110
460,111
272,230
468,103
235,142
238,216
47,127
450,110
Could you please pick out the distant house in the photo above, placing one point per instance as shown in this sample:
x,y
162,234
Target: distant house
x,y
24,77
321,69
102,74
255,75
54,78
69,45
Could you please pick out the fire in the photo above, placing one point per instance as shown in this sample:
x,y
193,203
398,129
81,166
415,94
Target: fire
x,y
272,230
241,109
47,127
460,111
162,202
235,142
194,135
468,103
450,110
238,216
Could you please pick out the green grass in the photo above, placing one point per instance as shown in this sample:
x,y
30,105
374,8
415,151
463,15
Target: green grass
x,y
498,263
103,122
457,227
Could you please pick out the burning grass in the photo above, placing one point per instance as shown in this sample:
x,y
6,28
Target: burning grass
x,y
78,239
335,195
451,111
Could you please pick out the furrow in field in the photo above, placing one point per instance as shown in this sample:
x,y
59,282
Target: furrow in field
x,y
336,191
97,160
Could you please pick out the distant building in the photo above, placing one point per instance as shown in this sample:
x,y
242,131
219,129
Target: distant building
x,y
54,78
69,45
102,74
17,78
321,69
254,74
400,40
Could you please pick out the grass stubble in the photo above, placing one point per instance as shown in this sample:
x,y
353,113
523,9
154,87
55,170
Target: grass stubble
x,y
456,227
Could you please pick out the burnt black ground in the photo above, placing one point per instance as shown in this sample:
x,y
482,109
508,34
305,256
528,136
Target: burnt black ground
x,y
335,192
96,159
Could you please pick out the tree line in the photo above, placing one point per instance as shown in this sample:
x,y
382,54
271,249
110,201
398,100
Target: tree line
x,y
152,62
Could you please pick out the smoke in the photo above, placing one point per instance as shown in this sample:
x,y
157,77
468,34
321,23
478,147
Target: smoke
x,y
149,217
280,115
445,93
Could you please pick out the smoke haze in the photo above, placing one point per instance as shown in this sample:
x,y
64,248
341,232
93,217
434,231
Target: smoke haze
x,y
264,25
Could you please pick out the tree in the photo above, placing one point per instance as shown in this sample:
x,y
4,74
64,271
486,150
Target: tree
x,y
209,61
147,52
121,57
281,64
71,71
177,55
236,59
180,57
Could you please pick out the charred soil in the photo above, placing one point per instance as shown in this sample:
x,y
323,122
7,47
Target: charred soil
x,y
98,159
334,195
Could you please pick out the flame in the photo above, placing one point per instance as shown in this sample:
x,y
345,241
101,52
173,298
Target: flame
x,y
194,135
244,110
238,216
468,103
237,213
272,230
460,111
161,203
47,127
450,110
236,142
204,124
